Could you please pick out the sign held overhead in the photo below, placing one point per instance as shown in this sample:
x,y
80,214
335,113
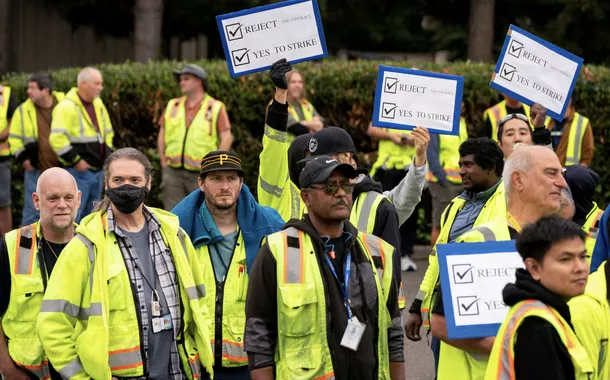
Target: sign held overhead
x,y
253,39
533,70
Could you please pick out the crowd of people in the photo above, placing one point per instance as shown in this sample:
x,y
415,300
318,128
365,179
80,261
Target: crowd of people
x,y
303,281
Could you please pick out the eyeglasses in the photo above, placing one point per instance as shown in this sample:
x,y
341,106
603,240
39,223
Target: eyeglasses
x,y
511,116
331,188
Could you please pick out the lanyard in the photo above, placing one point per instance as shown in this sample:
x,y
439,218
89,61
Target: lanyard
x,y
513,222
346,273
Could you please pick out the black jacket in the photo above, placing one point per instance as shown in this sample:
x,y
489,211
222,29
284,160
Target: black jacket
x,y
261,310
539,352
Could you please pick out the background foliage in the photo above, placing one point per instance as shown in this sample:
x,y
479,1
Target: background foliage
x,y
136,95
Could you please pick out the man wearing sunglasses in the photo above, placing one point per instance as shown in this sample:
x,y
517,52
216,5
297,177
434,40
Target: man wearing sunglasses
x,y
322,301
515,129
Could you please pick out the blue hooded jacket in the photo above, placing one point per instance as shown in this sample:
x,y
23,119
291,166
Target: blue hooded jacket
x,y
601,252
255,221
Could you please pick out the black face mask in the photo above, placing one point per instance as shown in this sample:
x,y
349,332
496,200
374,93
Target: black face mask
x,y
127,198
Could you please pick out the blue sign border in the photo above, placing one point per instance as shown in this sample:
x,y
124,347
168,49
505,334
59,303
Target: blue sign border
x,y
579,61
223,37
379,88
444,250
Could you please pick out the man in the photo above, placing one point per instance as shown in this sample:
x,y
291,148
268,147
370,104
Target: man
x,y
444,181
191,127
515,129
22,285
533,183
126,298
303,117
81,136
536,339
573,138
493,115
322,300
226,226
8,105
29,138
481,164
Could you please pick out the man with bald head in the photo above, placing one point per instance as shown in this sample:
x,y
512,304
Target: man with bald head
x,y
27,258
533,182
81,135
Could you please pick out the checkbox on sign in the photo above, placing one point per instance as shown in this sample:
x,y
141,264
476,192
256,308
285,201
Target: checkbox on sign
x,y
388,110
468,305
508,72
462,274
515,48
240,57
234,32
390,86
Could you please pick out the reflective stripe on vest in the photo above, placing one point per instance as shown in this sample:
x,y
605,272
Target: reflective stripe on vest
x,y
71,369
41,371
367,213
575,139
124,359
488,234
195,366
375,249
234,351
26,249
293,251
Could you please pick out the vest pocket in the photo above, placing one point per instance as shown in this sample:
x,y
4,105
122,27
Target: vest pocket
x,y
26,298
297,315
116,287
303,363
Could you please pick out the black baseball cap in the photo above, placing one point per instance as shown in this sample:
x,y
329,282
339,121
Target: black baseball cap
x,y
194,70
331,140
319,168
220,160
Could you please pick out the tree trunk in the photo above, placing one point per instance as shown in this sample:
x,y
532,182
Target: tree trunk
x,y
148,24
481,30
5,38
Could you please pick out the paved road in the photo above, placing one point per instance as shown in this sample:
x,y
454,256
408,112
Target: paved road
x,y
419,359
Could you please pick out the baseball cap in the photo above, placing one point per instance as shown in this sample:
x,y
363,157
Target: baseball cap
x,y
331,140
319,168
220,160
195,70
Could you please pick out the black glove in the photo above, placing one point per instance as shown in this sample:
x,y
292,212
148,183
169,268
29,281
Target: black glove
x,y
278,73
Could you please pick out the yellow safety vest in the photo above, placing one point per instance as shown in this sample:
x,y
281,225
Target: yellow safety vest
x,y
89,295
185,147
495,205
393,156
24,125
577,135
302,350
27,291
449,155
591,228
5,96
233,303
590,314
502,360
307,115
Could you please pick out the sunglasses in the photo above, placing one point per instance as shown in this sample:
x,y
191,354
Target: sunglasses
x,y
511,116
331,188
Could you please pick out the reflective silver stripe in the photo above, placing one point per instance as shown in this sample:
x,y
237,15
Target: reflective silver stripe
x,y
195,367
64,150
192,293
60,130
593,233
19,151
488,234
71,369
200,290
25,254
70,309
420,295
270,189
124,359
95,310
84,139
295,209
576,159
293,260
365,210
91,251
234,352
373,244
276,135
182,238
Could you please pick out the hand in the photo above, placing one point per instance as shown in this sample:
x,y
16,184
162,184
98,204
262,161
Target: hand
x,y
317,124
537,115
27,165
278,73
401,140
163,162
422,139
15,373
82,166
412,327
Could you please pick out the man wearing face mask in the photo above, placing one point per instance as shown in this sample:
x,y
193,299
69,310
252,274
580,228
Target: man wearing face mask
x,y
126,298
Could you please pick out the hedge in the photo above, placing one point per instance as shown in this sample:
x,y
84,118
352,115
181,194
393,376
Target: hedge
x,y
342,91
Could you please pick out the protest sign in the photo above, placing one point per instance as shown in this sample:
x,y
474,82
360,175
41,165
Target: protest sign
x,y
406,98
253,39
533,70
473,276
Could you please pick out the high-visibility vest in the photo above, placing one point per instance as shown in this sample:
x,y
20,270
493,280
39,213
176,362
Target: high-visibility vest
x,y
302,349
502,360
24,125
307,108
393,156
90,295
27,291
185,147
233,303
591,228
72,129
575,138
5,96
449,155
495,206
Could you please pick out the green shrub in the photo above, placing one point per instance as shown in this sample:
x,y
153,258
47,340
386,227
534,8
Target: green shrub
x,y
136,95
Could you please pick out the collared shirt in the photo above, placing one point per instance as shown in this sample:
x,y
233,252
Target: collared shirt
x,y
167,278
465,218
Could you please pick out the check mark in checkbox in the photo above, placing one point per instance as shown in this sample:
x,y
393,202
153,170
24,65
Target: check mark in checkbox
x,y
508,72
391,85
240,57
462,274
388,110
234,32
515,48
467,305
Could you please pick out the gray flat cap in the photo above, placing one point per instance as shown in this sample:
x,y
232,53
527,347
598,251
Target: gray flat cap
x,y
192,69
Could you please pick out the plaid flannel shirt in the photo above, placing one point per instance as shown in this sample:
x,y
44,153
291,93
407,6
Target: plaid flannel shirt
x,y
166,272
